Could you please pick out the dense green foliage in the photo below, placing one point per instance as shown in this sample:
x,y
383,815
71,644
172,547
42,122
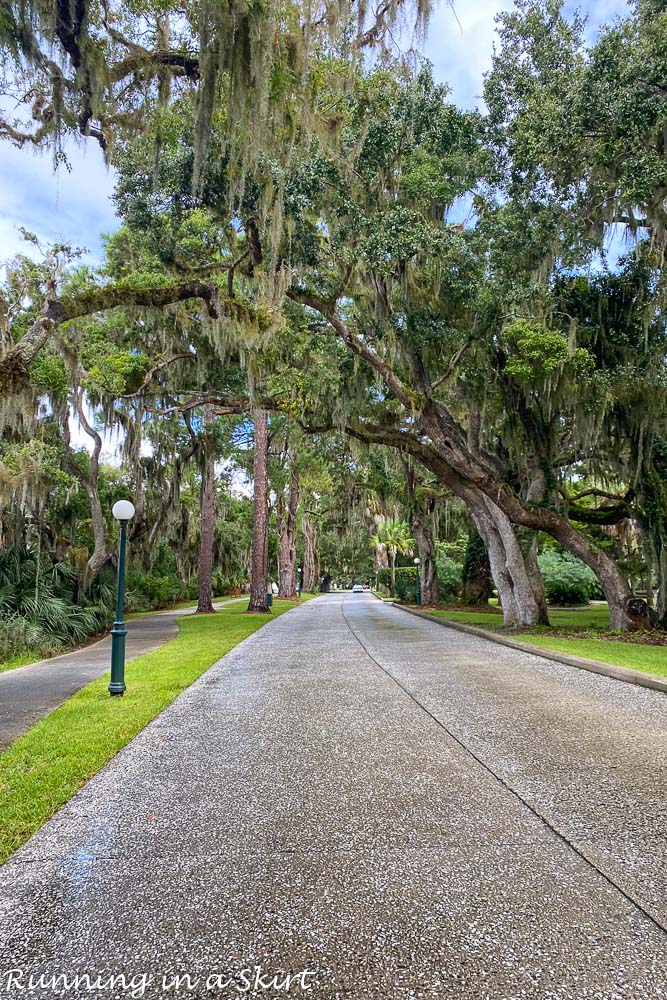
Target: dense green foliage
x,y
566,580
449,577
290,241
39,611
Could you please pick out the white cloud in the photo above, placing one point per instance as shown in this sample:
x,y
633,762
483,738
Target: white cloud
x,y
73,206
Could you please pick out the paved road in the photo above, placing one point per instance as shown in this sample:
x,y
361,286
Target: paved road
x,y
28,693
397,809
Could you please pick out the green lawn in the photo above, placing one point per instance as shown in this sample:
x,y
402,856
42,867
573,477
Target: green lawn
x,y
649,659
636,656
25,658
595,616
46,766
180,606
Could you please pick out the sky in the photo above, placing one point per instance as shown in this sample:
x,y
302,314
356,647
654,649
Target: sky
x,y
76,206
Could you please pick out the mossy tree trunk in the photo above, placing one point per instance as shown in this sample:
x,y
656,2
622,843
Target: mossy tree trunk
x,y
311,559
207,527
287,511
428,577
259,563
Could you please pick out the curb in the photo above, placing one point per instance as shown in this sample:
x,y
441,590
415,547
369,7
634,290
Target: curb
x,y
581,663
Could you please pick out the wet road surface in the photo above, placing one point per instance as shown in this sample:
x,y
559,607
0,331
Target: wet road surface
x,y
381,806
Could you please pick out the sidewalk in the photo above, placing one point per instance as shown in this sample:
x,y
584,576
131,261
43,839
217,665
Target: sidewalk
x,y
28,693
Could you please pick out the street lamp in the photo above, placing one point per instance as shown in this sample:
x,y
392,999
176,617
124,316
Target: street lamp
x,y
299,581
418,587
123,511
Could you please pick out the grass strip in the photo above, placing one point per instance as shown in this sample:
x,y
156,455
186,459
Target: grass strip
x,y
592,617
651,659
647,659
46,766
22,660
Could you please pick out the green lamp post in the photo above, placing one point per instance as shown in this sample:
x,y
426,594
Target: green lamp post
x,y
123,511
418,585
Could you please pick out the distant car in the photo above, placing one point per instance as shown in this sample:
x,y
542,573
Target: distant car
x,y
357,589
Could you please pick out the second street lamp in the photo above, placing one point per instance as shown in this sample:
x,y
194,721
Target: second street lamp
x,y
418,586
123,511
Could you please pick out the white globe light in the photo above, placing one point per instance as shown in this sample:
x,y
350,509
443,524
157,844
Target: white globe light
x,y
123,510
416,560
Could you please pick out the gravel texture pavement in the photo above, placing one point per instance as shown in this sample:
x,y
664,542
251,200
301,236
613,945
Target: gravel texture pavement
x,y
373,803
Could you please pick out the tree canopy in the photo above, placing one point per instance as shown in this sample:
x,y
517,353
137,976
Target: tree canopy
x,y
332,282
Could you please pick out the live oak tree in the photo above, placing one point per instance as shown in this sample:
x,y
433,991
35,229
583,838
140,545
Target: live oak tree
x,y
475,349
580,130
252,75
405,285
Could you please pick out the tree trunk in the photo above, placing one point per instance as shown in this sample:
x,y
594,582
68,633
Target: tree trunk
x,y
507,562
530,549
101,553
453,457
207,529
529,541
498,565
381,561
287,536
259,570
477,579
661,598
311,560
325,585
428,577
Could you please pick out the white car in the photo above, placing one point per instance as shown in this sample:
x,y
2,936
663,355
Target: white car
x,y
357,589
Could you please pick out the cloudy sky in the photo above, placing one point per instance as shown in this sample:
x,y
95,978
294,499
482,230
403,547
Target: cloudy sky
x,y
76,206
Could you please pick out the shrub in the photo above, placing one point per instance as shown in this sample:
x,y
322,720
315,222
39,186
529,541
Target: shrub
x,y
406,582
38,613
449,577
147,591
449,580
566,579
14,638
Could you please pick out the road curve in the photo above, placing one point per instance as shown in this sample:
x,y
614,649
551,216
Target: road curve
x,y
399,809
31,692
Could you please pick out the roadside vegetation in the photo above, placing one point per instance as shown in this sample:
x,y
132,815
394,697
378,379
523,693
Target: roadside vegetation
x,y
580,632
41,770
308,367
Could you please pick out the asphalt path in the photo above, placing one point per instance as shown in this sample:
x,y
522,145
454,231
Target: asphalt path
x,y
374,805
31,692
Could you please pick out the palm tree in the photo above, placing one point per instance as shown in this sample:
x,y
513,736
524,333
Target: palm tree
x,y
396,536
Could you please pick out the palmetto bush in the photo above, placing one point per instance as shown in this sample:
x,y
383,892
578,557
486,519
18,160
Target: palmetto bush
x,y
566,579
38,613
